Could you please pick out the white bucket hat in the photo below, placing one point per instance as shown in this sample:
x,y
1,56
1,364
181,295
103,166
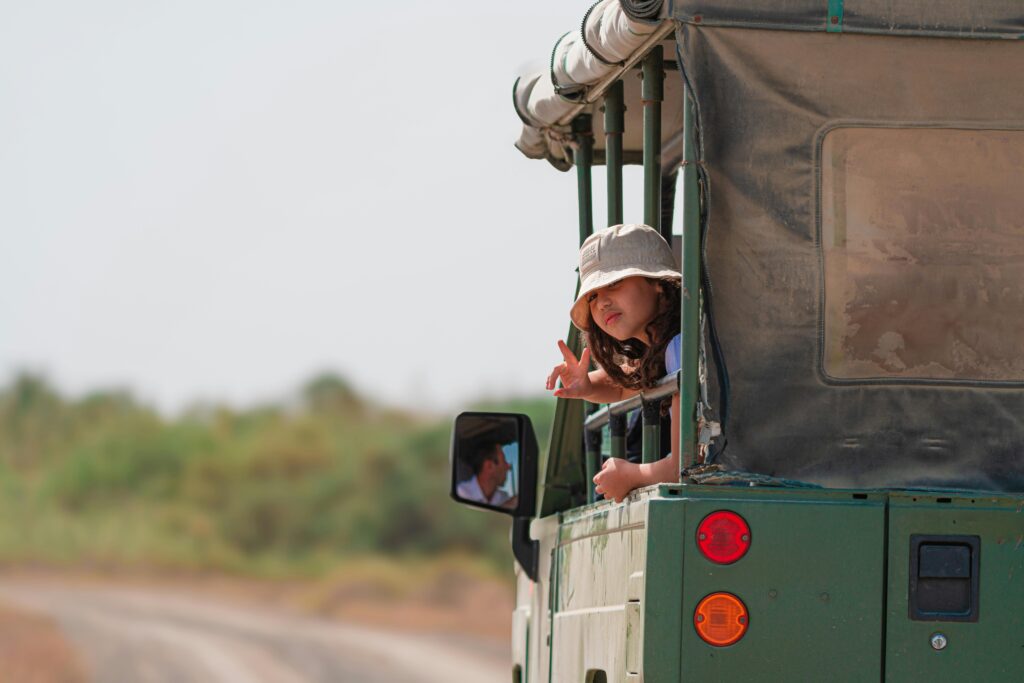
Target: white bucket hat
x,y
616,253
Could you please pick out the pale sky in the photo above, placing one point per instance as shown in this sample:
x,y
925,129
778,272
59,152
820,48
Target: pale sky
x,y
212,201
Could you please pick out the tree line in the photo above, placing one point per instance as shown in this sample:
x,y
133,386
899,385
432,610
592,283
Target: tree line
x,y
282,489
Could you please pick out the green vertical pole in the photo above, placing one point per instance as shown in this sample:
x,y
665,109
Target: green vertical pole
x,y
691,293
651,449
614,127
582,128
652,94
593,442
584,158
617,427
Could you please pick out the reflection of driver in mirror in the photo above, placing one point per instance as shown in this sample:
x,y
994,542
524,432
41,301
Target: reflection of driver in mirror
x,y
490,469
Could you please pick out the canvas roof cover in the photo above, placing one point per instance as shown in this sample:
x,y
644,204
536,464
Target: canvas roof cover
x,y
866,235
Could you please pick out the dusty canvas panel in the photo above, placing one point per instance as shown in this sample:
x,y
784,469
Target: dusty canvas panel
x,y
955,18
922,254
811,399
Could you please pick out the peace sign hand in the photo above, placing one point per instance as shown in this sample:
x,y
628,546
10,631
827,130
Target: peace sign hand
x,y
573,374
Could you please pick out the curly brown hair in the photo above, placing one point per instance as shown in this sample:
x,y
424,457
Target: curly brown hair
x,y
631,363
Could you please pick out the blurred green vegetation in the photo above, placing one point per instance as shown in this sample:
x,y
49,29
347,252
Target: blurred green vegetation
x,y
287,490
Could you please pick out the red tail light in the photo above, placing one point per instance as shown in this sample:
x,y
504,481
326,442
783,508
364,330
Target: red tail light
x,y
723,537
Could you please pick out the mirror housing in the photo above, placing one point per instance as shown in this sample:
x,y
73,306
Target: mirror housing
x,y
493,462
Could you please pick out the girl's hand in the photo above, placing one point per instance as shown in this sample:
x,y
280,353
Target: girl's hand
x,y
573,374
617,478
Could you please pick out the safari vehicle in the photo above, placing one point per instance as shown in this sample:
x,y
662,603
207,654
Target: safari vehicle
x,y
851,180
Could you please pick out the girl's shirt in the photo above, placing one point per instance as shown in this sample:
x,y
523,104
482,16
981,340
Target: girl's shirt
x,y
673,353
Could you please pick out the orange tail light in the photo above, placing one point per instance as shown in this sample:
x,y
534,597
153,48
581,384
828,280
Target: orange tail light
x,y
721,619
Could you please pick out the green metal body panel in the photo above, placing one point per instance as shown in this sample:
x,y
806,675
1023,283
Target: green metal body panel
x,y
825,582
663,591
812,581
992,649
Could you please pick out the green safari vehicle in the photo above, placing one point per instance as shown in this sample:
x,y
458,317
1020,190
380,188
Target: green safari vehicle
x,y
851,241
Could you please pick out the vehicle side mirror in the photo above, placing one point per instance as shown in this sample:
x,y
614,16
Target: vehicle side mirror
x,y
494,462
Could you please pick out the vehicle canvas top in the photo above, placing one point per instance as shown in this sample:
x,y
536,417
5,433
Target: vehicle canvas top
x,y
865,234
984,19
866,251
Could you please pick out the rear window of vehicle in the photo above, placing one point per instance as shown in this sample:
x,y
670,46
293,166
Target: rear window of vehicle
x,y
922,239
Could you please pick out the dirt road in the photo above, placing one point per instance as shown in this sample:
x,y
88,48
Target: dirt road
x,y
134,635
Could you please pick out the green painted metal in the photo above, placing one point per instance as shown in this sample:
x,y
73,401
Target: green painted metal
x,y
582,127
812,581
688,394
617,427
991,649
651,433
663,590
582,130
593,439
614,127
562,467
652,94
834,24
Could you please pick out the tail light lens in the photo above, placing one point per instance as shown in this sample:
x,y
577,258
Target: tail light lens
x,y
723,537
721,619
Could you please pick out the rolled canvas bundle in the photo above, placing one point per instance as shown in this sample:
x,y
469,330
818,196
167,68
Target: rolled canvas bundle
x,y
607,37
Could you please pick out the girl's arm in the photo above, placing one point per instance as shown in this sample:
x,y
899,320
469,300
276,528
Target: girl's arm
x,y
618,477
595,386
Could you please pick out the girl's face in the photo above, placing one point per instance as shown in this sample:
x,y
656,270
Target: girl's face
x,y
624,308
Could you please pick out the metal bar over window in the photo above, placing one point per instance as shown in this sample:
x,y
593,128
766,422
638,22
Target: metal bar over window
x,y
668,385
614,414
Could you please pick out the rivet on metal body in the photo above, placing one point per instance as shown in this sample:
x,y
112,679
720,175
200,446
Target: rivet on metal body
x,y
939,641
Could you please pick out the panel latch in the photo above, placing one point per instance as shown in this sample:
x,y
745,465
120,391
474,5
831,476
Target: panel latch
x,y
944,573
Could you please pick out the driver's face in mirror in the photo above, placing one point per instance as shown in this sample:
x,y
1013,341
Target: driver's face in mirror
x,y
495,469
490,472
